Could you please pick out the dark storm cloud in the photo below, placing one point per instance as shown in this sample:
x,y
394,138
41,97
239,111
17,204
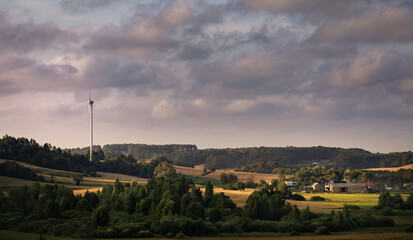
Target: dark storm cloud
x,y
85,5
149,33
387,25
372,68
318,8
145,34
111,73
28,36
249,75
198,51
21,73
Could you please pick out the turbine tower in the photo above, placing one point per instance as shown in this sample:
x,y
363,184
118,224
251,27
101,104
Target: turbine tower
x,y
90,102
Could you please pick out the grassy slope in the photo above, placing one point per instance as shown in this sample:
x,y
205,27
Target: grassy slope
x,y
65,178
392,169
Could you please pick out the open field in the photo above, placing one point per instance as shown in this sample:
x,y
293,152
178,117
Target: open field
x,y
317,207
392,169
198,170
238,196
65,178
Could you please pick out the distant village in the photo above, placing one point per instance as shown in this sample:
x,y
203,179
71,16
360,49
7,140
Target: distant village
x,y
341,187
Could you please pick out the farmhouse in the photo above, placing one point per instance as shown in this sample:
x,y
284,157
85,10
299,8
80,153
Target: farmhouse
x,y
308,189
328,184
290,184
348,187
317,187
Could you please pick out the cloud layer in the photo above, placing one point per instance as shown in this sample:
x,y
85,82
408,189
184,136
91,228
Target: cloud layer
x,y
204,73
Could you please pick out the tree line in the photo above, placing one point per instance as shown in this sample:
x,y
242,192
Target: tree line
x,y
308,175
262,159
164,206
48,156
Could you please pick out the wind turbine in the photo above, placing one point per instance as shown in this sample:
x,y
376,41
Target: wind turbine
x,y
90,102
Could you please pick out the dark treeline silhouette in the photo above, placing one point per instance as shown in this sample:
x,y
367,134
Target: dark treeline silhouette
x,y
128,165
164,206
29,151
386,200
12,169
145,151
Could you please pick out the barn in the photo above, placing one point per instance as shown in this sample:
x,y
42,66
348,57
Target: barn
x,y
348,187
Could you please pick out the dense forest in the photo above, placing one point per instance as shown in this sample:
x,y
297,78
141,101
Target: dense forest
x,y
12,169
262,159
172,207
29,151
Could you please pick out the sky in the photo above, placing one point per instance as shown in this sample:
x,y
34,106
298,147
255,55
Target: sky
x,y
217,74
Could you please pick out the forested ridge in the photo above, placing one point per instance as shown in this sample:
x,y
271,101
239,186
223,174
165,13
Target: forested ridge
x,y
256,159
48,156
262,159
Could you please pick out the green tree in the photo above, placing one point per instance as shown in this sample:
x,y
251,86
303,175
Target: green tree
x,y
209,191
166,170
118,186
78,178
195,210
101,216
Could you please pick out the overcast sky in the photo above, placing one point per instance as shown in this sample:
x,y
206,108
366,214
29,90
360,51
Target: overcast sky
x,y
211,73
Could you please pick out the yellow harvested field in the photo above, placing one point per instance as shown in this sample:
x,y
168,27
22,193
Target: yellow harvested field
x,y
188,171
83,191
238,196
111,177
391,169
198,170
316,207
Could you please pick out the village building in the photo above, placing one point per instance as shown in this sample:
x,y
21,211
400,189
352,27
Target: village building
x,y
348,187
308,189
317,187
369,184
290,184
328,184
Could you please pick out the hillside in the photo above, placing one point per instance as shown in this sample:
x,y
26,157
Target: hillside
x,y
391,169
261,159
242,176
65,177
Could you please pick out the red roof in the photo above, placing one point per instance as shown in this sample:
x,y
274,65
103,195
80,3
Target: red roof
x,y
369,183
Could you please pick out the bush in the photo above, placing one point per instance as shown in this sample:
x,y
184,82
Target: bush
x,y
127,232
409,228
180,236
294,233
353,207
322,230
387,211
317,198
145,234
385,222
297,197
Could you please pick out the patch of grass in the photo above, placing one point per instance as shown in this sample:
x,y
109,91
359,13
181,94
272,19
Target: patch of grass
x,y
11,235
203,181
